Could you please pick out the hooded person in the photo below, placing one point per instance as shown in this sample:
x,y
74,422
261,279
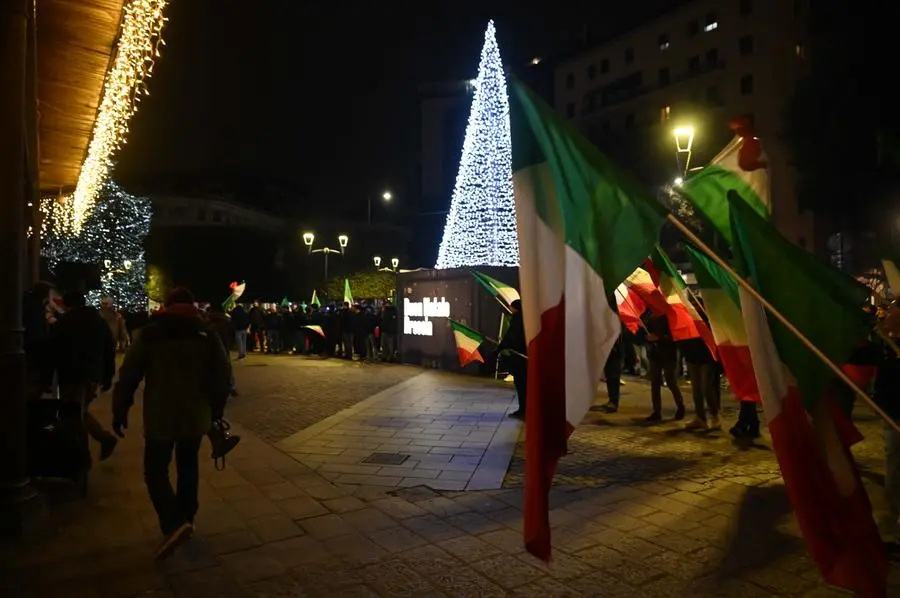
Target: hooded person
x,y
187,382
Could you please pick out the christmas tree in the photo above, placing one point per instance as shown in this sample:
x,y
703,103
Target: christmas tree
x,y
481,226
111,236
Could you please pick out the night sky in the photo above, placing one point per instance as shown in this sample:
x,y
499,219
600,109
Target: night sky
x,y
319,97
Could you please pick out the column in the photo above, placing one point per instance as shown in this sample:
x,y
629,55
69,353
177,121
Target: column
x,y
16,496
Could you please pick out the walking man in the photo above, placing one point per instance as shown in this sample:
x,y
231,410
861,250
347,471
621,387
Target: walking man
x,y
188,378
514,341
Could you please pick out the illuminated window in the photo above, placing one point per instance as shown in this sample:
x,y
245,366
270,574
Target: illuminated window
x,y
664,42
604,66
665,113
712,23
800,50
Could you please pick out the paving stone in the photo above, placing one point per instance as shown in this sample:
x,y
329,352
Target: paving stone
x,y
326,526
343,504
356,548
468,548
602,583
507,570
275,527
281,490
394,578
297,551
301,507
327,491
233,541
253,508
282,586
397,539
212,581
369,519
253,565
547,588
474,523
432,528
442,506
398,508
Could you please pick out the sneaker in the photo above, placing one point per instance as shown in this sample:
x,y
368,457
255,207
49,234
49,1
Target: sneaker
x,y
696,424
679,414
653,417
107,446
173,540
714,422
610,408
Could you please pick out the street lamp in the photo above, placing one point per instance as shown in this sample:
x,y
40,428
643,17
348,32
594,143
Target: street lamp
x,y
386,196
377,261
395,263
684,141
309,238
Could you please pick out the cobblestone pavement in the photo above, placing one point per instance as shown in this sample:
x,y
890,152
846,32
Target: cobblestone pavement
x,y
271,527
281,395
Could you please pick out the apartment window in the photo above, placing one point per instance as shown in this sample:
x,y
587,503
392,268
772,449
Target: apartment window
x,y
712,57
745,44
570,110
592,71
694,64
663,42
605,126
629,120
178,213
713,97
201,214
800,51
746,85
746,7
665,113
629,55
712,22
570,81
217,216
693,28
664,76
604,66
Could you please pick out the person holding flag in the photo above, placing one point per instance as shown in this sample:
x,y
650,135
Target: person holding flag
x,y
663,357
514,341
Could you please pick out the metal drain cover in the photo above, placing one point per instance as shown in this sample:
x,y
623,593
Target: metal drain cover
x,y
386,459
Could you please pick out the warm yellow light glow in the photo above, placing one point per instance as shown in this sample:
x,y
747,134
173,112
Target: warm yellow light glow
x,y
308,239
138,46
394,263
684,138
386,196
343,240
377,260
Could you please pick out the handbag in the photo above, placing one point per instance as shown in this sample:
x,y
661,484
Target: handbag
x,y
222,440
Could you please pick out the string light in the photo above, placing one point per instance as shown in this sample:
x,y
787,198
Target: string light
x,y
481,226
112,237
137,48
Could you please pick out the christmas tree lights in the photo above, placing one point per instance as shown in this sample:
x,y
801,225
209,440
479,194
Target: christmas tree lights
x,y
481,225
112,237
138,46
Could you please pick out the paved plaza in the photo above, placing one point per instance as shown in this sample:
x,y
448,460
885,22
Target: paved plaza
x,y
370,500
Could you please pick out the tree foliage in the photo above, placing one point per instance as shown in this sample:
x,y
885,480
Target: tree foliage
x,y
364,285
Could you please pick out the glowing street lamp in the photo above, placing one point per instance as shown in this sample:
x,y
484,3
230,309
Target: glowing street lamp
x,y
308,239
395,263
684,141
385,195
377,261
342,241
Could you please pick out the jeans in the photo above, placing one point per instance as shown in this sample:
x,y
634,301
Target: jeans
x,y
274,337
347,347
241,337
173,507
388,346
612,371
704,383
518,367
663,361
371,349
892,469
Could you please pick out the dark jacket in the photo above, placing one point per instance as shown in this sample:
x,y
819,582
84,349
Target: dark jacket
x,y
240,318
514,338
695,351
389,320
186,371
257,321
224,328
887,384
83,347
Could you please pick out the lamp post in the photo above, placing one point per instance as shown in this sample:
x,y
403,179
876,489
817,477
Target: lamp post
x,y
684,141
308,240
377,261
395,263
386,196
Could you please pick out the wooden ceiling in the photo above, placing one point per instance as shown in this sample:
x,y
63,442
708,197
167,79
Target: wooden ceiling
x,y
75,40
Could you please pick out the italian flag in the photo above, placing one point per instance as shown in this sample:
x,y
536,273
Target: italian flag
x,y
720,297
583,227
642,284
501,290
739,167
348,296
315,300
467,343
630,307
820,475
685,321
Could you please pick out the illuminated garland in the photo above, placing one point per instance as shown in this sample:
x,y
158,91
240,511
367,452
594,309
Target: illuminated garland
x,y
138,46
112,237
481,225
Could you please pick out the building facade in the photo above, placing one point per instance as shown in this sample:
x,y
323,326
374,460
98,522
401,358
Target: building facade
x,y
182,211
698,65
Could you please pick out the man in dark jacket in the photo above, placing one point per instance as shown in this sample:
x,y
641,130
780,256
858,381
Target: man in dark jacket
x,y
85,357
388,331
187,380
514,341
241,321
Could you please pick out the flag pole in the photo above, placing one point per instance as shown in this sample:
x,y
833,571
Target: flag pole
x,y
787,324
493,342
500,333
